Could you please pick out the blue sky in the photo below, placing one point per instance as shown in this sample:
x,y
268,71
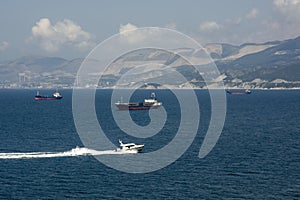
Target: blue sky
x,y
70,29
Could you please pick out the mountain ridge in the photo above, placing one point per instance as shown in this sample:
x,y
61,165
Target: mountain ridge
x,y
273,64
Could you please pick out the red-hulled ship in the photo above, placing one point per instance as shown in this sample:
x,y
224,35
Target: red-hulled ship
x,y
55,96
147,104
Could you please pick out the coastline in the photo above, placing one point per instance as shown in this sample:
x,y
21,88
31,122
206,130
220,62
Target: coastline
x,y
161,88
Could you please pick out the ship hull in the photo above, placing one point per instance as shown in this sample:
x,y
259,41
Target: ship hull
x,y
46,98
238,92
129,107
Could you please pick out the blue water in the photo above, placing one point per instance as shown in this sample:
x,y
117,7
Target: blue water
x,y
256,157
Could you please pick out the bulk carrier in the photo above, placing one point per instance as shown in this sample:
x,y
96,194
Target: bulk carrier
x,y
55,96
147,104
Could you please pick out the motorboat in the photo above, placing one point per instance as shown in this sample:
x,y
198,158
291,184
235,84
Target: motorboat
x,y
130,147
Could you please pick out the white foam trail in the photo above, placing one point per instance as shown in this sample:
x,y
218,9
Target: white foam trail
x,y
73,152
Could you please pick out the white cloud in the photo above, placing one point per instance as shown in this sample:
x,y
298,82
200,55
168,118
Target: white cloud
x,y
210,26
133,37
252,14
128,35
127,27
3,45
280,3
52,37
286,23
290,9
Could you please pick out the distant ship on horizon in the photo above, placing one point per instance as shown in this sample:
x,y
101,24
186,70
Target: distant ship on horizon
x,y
55,96
247,91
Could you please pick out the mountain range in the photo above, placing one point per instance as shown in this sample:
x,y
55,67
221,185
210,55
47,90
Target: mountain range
x,y
273,64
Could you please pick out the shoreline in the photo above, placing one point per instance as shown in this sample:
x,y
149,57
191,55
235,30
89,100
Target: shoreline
x,y
83,88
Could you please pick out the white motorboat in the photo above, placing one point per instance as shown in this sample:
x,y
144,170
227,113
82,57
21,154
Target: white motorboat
x,y
130,147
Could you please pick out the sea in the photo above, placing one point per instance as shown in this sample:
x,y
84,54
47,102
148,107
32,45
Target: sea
x,y
257,155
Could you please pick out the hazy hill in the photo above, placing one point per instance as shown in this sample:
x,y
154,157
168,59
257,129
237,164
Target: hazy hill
x,y
266,65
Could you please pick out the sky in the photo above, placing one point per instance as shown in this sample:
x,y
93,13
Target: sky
x,y
72,28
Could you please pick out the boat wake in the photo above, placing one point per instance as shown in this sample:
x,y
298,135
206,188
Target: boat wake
x,y
78,151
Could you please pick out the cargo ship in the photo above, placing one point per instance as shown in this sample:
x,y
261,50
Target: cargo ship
x,y
55,96
147,104
247,91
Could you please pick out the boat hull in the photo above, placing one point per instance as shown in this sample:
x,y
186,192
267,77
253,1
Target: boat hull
x,y
128,107
37,98
135,149
238,92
